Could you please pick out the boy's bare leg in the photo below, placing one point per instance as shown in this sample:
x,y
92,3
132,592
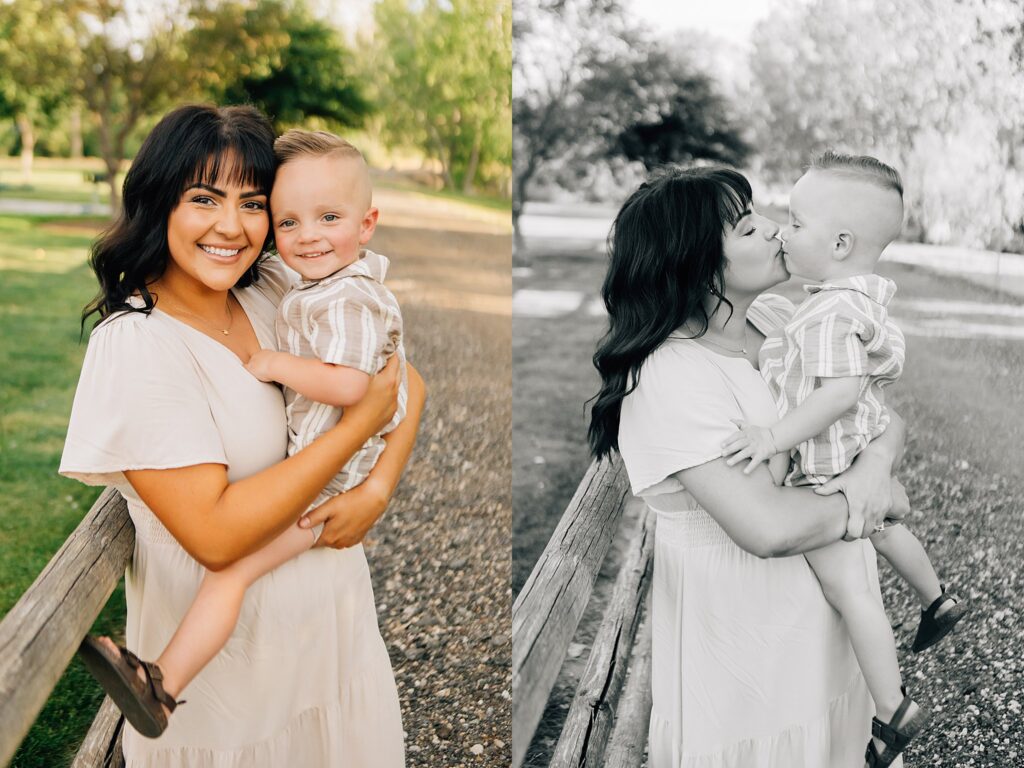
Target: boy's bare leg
x,y
842,572
908,558
211,618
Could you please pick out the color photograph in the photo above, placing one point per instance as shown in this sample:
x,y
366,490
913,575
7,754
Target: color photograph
x,y
255,383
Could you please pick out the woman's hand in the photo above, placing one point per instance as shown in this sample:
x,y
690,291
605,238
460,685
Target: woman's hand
x,y
377,407
349,516
871,492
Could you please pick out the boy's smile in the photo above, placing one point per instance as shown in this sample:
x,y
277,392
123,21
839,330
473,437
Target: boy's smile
x,y
322,214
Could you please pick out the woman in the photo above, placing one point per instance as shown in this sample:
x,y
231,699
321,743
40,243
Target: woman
x,y
166,412
751,667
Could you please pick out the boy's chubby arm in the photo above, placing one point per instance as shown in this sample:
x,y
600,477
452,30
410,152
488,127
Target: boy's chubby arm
x,y
336,385
824,406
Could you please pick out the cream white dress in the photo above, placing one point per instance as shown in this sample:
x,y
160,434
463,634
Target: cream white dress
x,y
751,667
305,679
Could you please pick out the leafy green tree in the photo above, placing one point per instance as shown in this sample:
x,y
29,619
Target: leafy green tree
x,y
134,64
440,72
138,60
36,55
277,56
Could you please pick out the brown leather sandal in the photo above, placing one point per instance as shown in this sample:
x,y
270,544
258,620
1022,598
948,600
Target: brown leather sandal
x,y
139,701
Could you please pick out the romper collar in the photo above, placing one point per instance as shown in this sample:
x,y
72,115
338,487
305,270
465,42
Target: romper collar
x,y
877,288
369,264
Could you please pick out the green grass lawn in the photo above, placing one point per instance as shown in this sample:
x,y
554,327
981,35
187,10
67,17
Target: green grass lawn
x,y
54,179
44,282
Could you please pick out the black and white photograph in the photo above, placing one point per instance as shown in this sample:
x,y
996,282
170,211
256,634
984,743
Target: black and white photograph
x,y
768,335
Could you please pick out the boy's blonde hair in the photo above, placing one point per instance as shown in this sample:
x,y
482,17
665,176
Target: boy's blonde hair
x,y
860,167
297,143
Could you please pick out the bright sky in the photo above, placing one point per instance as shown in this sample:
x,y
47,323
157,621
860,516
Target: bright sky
x,y
350,16
730,19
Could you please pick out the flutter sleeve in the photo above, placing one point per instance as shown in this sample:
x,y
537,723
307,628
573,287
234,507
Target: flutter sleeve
x,y
677,417
140,404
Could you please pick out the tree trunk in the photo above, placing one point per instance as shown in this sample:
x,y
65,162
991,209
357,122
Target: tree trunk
x,y
446,174
474,161
28,145
75,132
112,179
112,163
519,255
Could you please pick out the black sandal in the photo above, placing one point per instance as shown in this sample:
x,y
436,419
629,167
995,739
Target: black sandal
x,y
895,735
139,701
932,629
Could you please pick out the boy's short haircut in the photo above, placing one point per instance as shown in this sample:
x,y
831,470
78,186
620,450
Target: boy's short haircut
x,y
860,167
297,143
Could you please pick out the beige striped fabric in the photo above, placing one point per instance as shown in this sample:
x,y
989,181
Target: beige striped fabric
x,y
841,329
349,318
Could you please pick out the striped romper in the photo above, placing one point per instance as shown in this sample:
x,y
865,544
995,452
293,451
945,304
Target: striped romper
x,y
348,318
841,329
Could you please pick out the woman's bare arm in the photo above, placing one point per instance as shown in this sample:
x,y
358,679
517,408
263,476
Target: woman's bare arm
x,y
349,516
765,519
219,522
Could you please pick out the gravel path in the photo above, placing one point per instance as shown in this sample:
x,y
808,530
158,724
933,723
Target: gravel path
x,y
440,557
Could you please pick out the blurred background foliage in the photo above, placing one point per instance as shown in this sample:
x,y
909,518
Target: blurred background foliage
x,y
422,78
933,86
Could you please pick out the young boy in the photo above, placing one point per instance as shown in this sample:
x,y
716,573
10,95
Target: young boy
x,y
827,369
336,328
340,324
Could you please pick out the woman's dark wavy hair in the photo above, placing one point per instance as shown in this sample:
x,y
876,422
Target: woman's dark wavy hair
x,y
665,252
189,145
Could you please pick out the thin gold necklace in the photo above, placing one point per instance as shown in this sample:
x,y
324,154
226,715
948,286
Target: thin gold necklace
x,y
204,321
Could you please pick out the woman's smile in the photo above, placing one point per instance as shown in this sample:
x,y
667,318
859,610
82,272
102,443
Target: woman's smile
x,y
222,254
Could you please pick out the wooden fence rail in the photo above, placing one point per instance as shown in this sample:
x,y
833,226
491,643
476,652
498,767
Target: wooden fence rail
x,y
545,617
41,633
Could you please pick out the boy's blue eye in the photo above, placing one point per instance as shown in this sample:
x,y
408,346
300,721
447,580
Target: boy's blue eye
x,y
330,217
285,223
